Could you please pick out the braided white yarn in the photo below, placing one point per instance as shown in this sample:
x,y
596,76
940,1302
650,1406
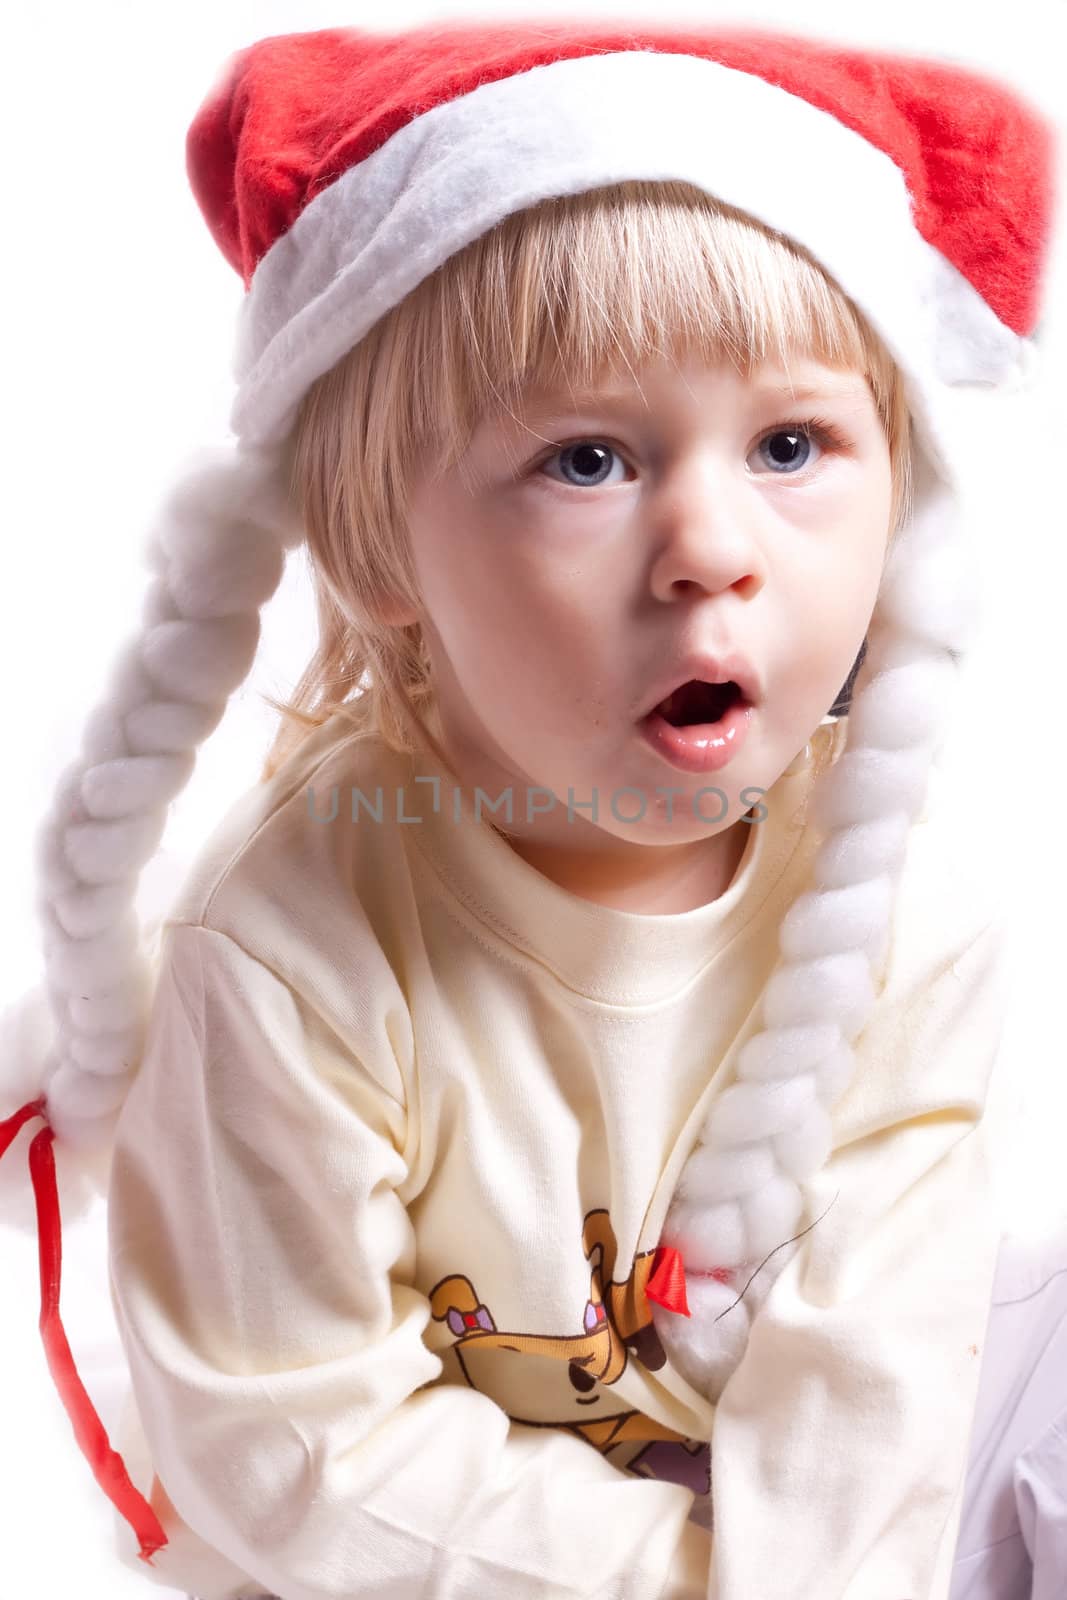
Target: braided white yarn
x,y
739,1196
218,552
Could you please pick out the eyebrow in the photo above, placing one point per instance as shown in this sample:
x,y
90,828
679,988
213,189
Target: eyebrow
x,y
852,387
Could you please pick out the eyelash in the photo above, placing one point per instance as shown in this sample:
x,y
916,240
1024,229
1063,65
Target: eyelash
x,y
822,431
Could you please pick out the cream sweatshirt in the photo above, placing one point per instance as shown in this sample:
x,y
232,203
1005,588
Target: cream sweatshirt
x,y
389,1183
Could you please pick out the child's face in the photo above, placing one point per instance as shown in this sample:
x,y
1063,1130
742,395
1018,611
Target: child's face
x,y
557,601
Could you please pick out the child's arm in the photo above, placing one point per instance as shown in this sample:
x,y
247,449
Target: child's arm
x,y
843,1436
262,1267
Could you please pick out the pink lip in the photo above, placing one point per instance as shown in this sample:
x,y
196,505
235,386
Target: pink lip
x,y
702,746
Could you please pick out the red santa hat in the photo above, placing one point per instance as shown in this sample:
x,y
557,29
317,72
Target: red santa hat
x,y
922,188
336,170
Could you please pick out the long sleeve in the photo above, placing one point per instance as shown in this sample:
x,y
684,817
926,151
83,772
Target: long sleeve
x,y
262,1268
844,1434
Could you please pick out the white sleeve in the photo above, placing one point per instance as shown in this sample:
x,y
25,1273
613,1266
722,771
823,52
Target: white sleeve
x,y
261,1269
843,1436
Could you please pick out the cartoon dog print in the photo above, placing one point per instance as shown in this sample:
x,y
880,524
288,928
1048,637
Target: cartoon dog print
x,y
565,1380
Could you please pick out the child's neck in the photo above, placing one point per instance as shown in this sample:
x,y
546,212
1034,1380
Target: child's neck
x,y
657,881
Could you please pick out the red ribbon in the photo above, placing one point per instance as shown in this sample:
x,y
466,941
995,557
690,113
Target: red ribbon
x,y
666,1283
109,1469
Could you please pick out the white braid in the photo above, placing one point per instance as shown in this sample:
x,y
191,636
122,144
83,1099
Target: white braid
x,y
218,552
739,1196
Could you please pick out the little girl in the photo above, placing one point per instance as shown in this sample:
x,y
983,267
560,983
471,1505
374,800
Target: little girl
x,y
547,1141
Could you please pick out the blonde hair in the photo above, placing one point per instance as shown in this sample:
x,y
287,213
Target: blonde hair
x,y
568,291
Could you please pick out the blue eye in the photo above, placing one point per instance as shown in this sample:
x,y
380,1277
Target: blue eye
x,y
795,439
590,460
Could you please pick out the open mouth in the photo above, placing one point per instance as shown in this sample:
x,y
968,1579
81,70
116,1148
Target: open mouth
x,y
699,703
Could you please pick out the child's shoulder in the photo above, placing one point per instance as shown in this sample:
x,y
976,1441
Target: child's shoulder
x,y
282,868
931,1040
954,879
942,994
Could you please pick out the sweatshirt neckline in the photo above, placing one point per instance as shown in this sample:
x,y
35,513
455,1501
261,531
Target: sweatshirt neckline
x,y
606,954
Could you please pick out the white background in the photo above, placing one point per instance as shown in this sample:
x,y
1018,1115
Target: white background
x,y
120,315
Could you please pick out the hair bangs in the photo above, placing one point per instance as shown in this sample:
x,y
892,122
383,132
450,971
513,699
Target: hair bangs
x,y
586,289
